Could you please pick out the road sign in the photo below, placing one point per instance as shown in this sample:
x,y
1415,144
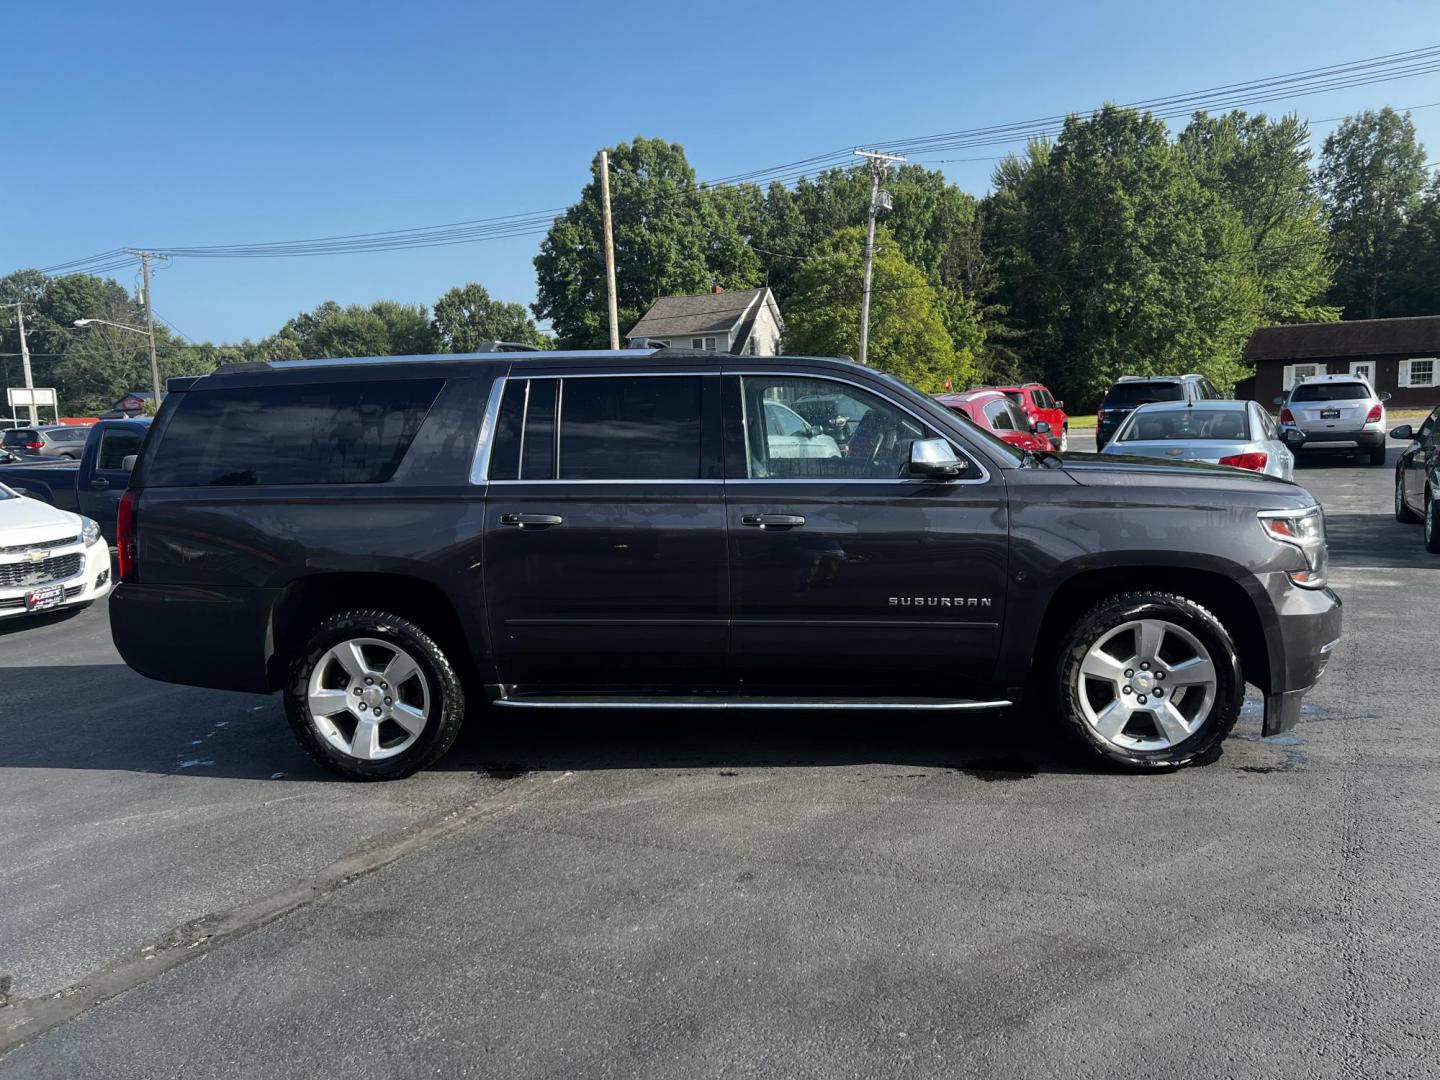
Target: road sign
x,y
39,396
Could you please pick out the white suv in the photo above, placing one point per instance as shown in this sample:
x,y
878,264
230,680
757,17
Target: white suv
x,y
1334,412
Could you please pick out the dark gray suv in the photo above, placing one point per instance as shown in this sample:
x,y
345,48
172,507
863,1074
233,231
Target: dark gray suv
x,y
395,542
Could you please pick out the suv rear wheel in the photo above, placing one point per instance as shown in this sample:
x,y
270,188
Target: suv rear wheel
x,y
372,696
1149,680
1377,455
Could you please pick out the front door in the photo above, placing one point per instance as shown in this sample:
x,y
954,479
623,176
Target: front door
x,y
846,570
1415,461
605,558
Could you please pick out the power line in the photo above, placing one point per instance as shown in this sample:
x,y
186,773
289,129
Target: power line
x,y
1364,72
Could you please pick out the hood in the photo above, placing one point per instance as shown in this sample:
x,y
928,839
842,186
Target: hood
x,y
1097,470
25,521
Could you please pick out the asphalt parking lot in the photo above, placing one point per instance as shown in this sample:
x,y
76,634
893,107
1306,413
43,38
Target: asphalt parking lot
x,y
184,894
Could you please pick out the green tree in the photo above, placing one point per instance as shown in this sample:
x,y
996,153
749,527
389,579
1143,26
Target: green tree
x,y
1261,168
1113,258
1372,169
467,316
908,336
1417,281
671,236
384,328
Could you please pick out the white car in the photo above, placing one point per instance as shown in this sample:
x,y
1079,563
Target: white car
x,y
790,435
1334,412
49,558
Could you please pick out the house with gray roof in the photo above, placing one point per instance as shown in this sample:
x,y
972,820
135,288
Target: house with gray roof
x,y
745,322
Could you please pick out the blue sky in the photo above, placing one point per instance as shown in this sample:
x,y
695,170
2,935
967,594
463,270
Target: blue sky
x,y
178,123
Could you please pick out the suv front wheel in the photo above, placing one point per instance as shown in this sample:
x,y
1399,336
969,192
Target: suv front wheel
x,y
373,697
1149,680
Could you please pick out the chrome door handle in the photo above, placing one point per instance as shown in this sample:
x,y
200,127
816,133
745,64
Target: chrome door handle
x,y
773,521
531,521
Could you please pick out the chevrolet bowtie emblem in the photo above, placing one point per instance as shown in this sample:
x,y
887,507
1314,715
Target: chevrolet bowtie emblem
x,y
35,556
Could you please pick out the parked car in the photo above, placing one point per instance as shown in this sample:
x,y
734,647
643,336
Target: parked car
x,y
1036,401
993,411
792,436
390,540
50,440
1131,391
49,558
1239,434
93,485
1417,477
1334,412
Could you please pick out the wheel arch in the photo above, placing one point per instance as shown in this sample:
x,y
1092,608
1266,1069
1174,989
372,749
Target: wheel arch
x,y
1220,593
314,597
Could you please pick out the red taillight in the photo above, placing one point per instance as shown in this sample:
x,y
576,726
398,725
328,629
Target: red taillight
x,y
1286,416
1255,461
126,540
34,446
1376,412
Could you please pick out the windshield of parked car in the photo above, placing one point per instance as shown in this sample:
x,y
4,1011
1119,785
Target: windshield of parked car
x,y
1159,424
1141,393
1335,391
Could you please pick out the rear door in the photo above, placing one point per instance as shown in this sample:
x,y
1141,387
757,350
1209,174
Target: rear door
x,y
845,570
605,558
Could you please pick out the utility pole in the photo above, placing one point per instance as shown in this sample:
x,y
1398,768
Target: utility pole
x,y
25,359
144,257
878,162
609,250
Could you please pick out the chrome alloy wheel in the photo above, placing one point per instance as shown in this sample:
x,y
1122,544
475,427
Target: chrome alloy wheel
x,y
368,698
1147,684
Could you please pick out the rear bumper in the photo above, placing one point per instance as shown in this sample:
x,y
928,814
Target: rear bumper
x,y
1309,629
217,638
1362,438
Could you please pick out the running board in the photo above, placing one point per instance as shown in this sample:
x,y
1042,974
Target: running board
x,y
719,701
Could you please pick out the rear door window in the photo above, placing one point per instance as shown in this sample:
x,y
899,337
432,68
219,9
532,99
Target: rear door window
x,y
115,447
631,428
320,433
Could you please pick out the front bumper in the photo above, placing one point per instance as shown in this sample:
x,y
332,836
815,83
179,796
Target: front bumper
x,y
92,581
1308,631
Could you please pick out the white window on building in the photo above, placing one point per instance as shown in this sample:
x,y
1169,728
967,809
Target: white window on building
x,y
1420,372
1295,373
1363,369
706,343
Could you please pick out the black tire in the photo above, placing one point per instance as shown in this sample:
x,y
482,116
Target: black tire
x,y
1189,616
1377,455
1403,513
447,705
1432,525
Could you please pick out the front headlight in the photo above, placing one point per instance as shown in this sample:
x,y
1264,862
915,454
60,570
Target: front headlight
x,y
1303,529
90,532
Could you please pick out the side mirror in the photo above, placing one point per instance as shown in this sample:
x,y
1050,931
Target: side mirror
x,y
1042,428
1403,432
1279,401
1059,404
1385,396
128,462
933,457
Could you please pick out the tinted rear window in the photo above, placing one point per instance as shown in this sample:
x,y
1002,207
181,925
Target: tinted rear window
x,y
18,437
326,433
619,428
1186,424
1335,391
1139,393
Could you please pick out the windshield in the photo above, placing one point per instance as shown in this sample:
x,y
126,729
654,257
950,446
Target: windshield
x,y
1188,424
1141,393
1335,391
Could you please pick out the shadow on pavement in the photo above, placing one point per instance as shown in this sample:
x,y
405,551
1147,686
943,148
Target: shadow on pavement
x,y
145,727
1359,540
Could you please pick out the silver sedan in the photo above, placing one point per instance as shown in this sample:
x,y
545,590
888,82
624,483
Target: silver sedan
x,y
1236,433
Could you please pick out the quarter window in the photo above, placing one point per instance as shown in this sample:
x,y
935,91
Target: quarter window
x,y
833,444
